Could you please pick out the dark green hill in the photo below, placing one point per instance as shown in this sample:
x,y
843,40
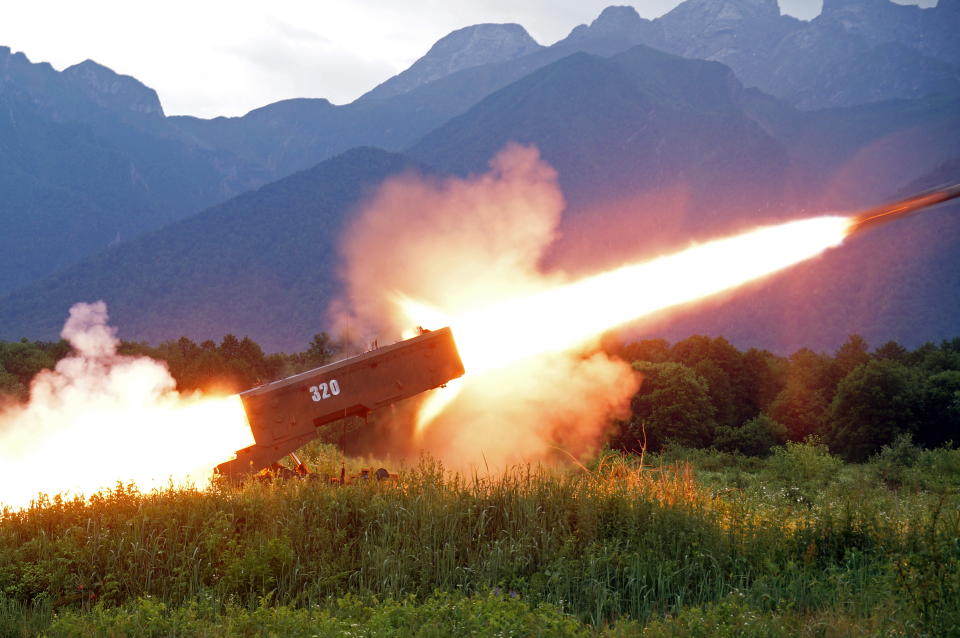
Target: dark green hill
x,y
898,282
628,129
262,264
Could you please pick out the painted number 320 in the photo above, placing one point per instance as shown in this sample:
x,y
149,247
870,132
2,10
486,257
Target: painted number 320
x,y
325,390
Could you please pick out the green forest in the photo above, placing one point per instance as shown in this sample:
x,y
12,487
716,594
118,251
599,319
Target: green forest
x,y
701,392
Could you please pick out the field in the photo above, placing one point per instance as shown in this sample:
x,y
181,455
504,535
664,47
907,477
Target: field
x,y
686,543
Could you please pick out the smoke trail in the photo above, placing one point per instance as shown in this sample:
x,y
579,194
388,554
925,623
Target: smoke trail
x,y
100,417
459,244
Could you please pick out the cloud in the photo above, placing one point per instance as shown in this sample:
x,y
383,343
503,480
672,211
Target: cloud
x,y
297,62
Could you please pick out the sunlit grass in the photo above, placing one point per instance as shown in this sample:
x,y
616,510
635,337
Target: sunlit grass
x,y
616,546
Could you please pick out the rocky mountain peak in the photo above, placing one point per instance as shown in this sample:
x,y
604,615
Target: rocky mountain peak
x,y
932,31
831,6
883,14
722,29
858,13
113,91
615,29
616,18
725,12
18,65
462,49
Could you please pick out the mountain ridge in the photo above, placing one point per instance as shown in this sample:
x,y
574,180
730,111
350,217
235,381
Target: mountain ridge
x,y
87,157
96,144
653,150
460,49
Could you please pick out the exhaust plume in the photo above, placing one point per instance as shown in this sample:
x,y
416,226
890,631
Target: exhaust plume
x,y
99,418
463,244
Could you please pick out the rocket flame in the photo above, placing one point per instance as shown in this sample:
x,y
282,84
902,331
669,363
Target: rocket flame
x,y
564,316
100,418
472,252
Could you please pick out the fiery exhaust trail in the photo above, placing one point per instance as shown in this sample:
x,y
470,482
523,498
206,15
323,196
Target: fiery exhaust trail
x,y
563,317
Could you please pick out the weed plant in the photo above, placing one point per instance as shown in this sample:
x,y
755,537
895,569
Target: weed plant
x,y
799,544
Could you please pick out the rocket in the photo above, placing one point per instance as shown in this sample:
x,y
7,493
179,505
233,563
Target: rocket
x,y
874,217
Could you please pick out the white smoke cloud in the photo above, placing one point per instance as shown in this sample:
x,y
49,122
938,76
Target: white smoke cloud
x,y
459,244
100,417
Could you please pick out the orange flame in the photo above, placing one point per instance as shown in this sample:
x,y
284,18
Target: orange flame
x,y
563,317
100,418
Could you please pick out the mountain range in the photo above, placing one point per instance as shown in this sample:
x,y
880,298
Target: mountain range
x,y
720,114
87,158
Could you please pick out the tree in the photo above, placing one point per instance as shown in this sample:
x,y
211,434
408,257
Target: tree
x,y
24,359
940,358
893,351
672,406
940,422
800,409
851,355
323,348
766,376
721,391
756,437
10,386
873,404
812,371
722,365
652,350
801,406
229,347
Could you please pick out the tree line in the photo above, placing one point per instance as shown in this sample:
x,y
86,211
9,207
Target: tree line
x,y
232,365
699,392
703,392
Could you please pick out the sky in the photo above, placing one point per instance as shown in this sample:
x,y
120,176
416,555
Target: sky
x,y
226,57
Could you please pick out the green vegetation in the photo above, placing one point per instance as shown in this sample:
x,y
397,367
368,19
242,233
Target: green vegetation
x,y
800,544
841,519
20,361
698,393
703,392
231,366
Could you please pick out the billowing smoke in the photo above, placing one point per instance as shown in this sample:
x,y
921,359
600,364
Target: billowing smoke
x,y
100,417
455,242
460,244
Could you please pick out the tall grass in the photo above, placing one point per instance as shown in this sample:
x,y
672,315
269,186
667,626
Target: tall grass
x,y
611,544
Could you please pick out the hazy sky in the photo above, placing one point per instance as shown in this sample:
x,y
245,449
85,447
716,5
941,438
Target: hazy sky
x,y
220,57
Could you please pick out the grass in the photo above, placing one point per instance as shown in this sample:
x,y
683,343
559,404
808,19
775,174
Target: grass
x,y
796,545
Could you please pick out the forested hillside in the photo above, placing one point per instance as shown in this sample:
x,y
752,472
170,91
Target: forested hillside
x,y
262,264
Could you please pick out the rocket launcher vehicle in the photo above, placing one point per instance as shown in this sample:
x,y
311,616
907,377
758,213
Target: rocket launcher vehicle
x,y
286,414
